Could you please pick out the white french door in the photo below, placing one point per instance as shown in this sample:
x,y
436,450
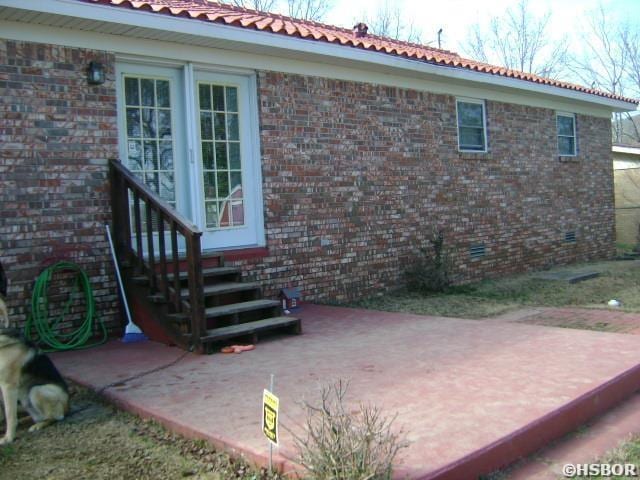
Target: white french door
x,y
192,137
229,201
151,129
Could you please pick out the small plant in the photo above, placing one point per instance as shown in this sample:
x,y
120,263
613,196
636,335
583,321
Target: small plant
x,y
341,444
430,272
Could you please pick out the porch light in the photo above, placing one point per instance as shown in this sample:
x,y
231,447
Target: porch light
x,y
95,73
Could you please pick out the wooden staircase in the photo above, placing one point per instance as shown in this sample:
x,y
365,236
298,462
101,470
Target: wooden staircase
x,y
192,306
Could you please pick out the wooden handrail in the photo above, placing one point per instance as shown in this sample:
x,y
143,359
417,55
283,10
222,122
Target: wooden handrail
x,y
186,226
163,289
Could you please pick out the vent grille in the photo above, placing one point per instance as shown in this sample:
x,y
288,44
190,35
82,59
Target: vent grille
x,y
477,250
570,237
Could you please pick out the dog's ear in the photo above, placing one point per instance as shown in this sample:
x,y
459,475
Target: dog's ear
x,y
3,282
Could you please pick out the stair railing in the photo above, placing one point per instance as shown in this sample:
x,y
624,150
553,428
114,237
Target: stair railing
x,y
154,222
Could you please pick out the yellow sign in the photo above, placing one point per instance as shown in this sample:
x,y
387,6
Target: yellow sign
x,y
270,416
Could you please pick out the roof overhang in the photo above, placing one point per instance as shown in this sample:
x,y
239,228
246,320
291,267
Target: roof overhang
x,y
106,19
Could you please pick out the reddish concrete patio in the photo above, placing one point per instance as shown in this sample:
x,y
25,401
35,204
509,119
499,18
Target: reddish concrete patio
x,y
471,395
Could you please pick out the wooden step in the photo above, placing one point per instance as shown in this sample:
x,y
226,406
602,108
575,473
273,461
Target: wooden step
x,y
217,334
224,287
240,307
209,272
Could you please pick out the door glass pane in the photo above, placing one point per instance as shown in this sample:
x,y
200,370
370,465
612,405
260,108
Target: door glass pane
x,y
232,99
133,122
217,92
149,133
131,91
162,93
206,127
207,155
220,130
147,92
232,127
234,155
221,161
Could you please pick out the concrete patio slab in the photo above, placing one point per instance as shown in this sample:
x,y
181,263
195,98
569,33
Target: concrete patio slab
x,y
470,395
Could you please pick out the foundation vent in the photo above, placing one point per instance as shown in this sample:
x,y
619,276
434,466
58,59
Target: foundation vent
x,y
570,237
476,251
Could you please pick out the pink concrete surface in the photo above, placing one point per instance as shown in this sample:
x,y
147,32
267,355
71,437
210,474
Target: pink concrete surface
x,y
470,395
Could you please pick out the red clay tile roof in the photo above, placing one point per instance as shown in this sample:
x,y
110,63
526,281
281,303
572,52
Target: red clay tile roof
x,y
210,11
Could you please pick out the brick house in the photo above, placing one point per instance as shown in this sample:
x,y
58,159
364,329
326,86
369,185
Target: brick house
x,y
311,155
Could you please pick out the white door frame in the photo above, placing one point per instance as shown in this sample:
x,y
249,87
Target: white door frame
x,y
189,189
252,233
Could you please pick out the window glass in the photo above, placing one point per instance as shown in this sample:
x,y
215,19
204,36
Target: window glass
x,y
471,126
220,143
150,134
566,131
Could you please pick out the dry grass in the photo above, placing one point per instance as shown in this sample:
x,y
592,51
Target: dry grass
x,y
627,453
103,443
618,279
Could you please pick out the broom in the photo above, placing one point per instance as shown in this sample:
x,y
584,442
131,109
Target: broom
x,y
132,332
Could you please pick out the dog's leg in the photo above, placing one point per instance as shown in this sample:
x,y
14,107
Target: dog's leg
x,y
47,404
10,396
4,315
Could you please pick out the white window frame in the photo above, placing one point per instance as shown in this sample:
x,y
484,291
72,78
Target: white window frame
x,y
572,116
484,124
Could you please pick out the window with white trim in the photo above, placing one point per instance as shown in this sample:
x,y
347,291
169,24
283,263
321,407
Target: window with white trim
x,y
566,131
472,125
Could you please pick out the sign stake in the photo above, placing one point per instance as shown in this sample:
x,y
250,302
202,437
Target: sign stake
x,y
271,444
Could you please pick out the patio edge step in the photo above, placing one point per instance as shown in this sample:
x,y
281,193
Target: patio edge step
x,y
542,431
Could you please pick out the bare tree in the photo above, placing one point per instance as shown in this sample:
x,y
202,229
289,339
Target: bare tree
x,y
610,61
631,45
390,21
629,128
518,40
314,10
262,5
603,59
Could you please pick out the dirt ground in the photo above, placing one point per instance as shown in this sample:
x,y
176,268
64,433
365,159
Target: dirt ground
x,y
98,441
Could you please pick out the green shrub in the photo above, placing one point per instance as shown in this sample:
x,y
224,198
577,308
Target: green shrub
x,y
342,444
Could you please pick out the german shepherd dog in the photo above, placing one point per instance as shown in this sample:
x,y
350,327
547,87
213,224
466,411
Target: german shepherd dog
x,y
27,377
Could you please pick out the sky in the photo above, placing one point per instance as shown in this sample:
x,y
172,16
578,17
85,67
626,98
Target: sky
x,y
456,16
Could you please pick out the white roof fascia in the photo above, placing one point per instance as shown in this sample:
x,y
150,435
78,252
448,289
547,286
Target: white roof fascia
x,y
137,18
629,150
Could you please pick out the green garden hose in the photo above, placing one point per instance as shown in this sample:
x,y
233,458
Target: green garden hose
x,y
49,331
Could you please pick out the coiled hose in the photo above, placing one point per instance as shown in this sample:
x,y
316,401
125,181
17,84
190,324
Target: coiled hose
x,y
48,330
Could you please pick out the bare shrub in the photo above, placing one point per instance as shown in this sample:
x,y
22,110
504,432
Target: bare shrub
x,y
430,272
347,445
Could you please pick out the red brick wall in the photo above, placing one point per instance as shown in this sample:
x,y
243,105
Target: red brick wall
x,y
357,175
355,178
57,133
